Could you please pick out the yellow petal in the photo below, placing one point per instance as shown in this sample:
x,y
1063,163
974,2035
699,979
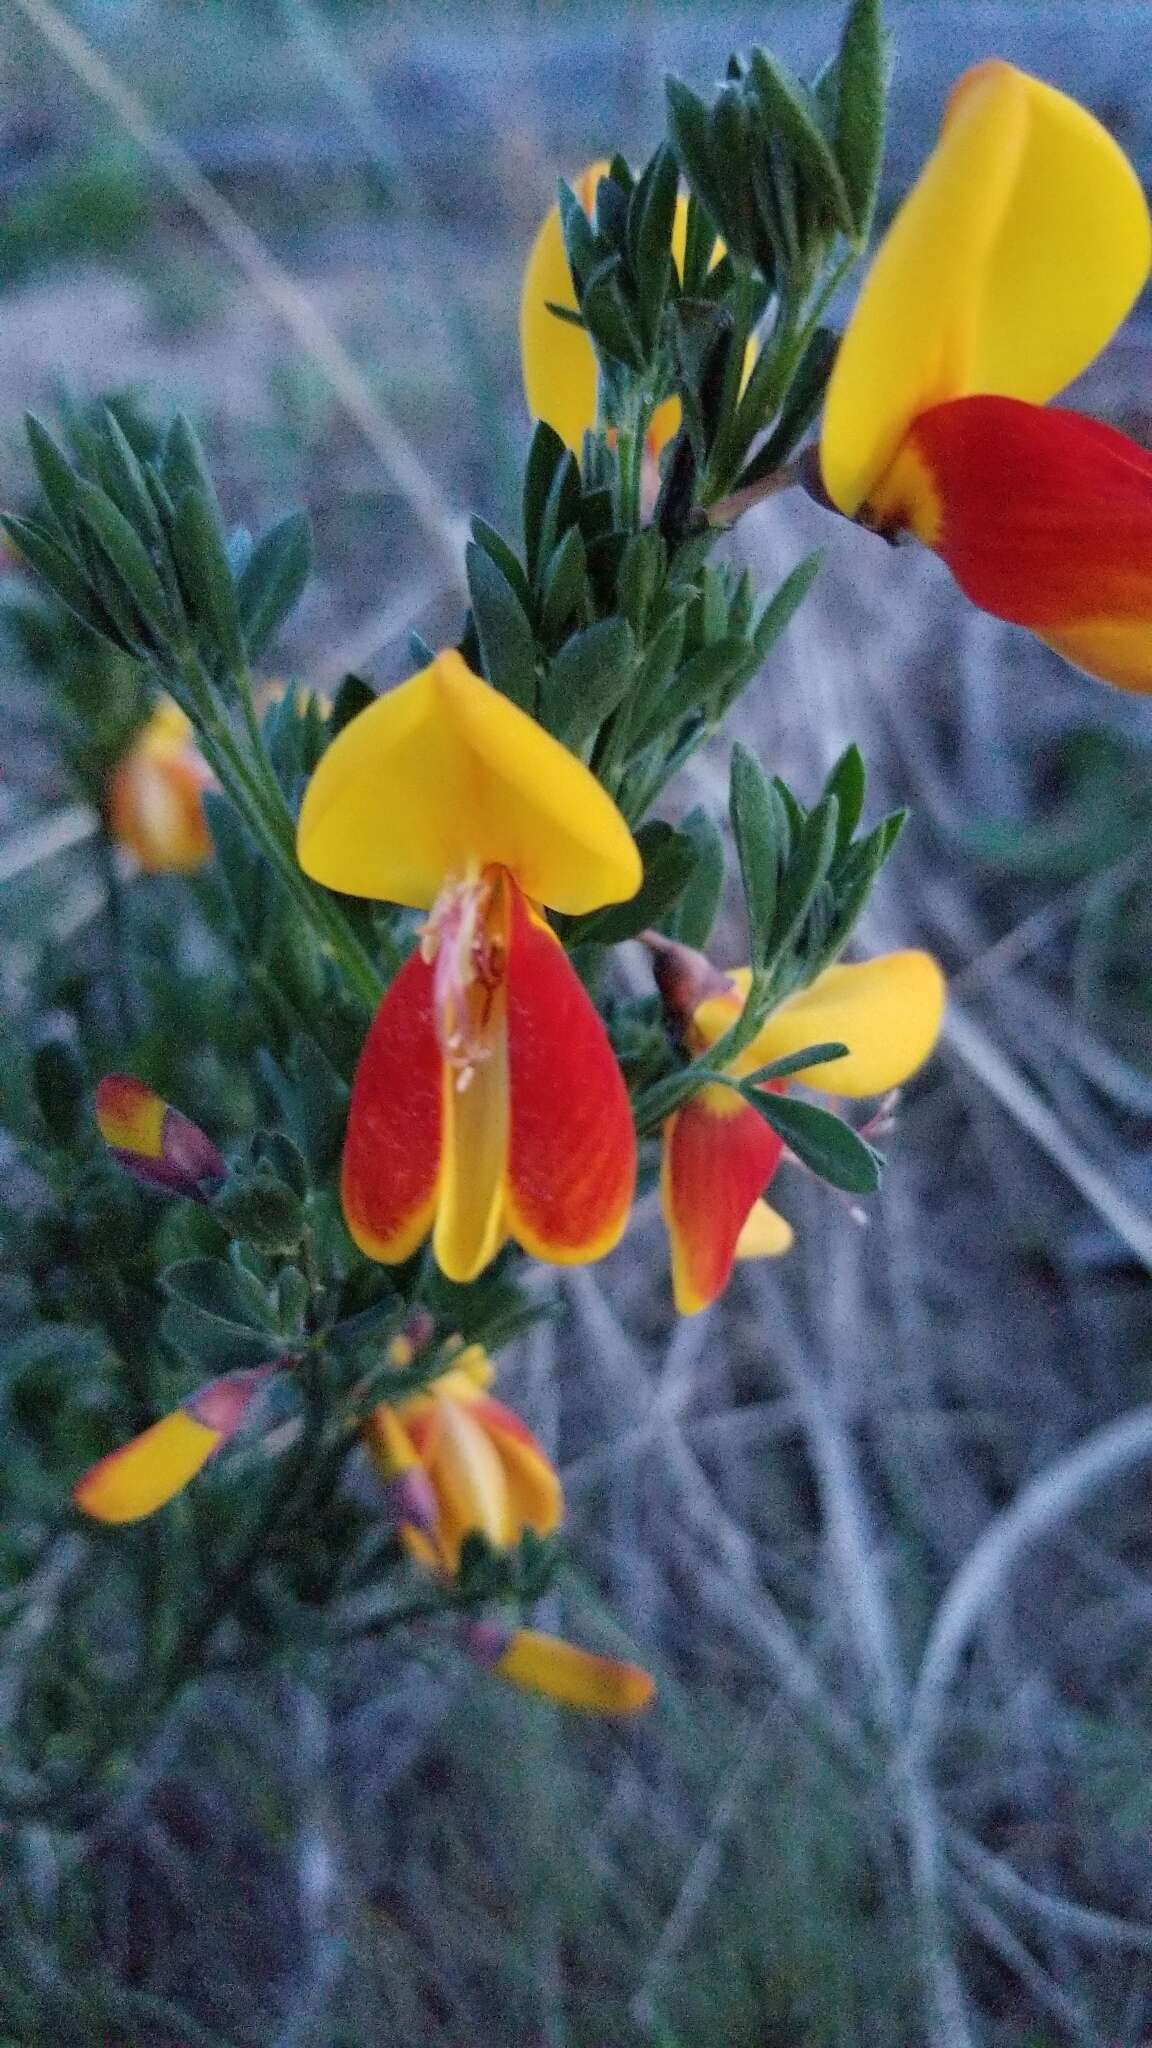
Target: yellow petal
x,y
765,1235
887,1012
470,1226
147,1472
574,1677
558,360
1018,252
389,1443
444,774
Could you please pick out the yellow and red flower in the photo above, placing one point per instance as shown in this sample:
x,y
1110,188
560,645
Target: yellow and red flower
x,y
156,797
152,1141
719,1155
478,1469
458,1462
155,1466
1012,262
487,1103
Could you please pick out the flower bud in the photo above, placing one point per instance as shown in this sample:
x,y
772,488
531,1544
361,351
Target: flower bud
x,y
558,1670
152,1141
146,1473
155,804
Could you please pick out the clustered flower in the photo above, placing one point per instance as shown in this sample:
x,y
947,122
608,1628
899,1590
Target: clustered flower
x,y
488,1104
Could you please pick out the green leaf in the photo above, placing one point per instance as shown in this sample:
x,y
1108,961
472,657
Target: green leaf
x,y
565,585
586,680
690,132
651,214
710,672
802,401
123,479
824,1144
608,316
129,557
205,576
810,862
699,903
353,696
797,1062
756,827
668,857
847,783
56,476
505,558
580,245
507,642
782,607
62,574
790,115
218,1313
545,455
860,109
183,467
273,579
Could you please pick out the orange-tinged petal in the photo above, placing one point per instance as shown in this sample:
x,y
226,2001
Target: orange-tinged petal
x,y
571,1142
1044,518
887,1011
534,1490
1016,255
390,1443
573,1677
129,1116
444,776
765,1234
718,1157
136,1480
391,1166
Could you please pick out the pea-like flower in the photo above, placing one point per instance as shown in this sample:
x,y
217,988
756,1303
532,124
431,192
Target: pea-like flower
x,y
487,1103
155,802
559,1670
1009,266
155,1466
719,1155
458,1463
153,1142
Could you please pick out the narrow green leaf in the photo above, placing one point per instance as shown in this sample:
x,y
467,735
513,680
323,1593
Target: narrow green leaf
x,y
61,572
183,467
586,680
354,695
690,132
782,607
756,829
699,904
811,859
802,401
560,510
609,318
860,109
579,236
820,1141
796,1063
128,556
507,642
564,592
205,576
56,476
505,558
847,783
123,479
790,114
273,580
651,213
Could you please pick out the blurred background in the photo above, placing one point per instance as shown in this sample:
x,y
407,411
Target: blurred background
x,y
852,1499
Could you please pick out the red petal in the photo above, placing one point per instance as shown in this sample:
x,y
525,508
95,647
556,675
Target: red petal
x,y
572,1145
392,1147
719,1157
1045,519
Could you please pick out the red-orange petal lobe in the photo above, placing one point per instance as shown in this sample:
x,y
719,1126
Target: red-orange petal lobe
x,y
391,1163
571,1140
1045,519
719,1156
